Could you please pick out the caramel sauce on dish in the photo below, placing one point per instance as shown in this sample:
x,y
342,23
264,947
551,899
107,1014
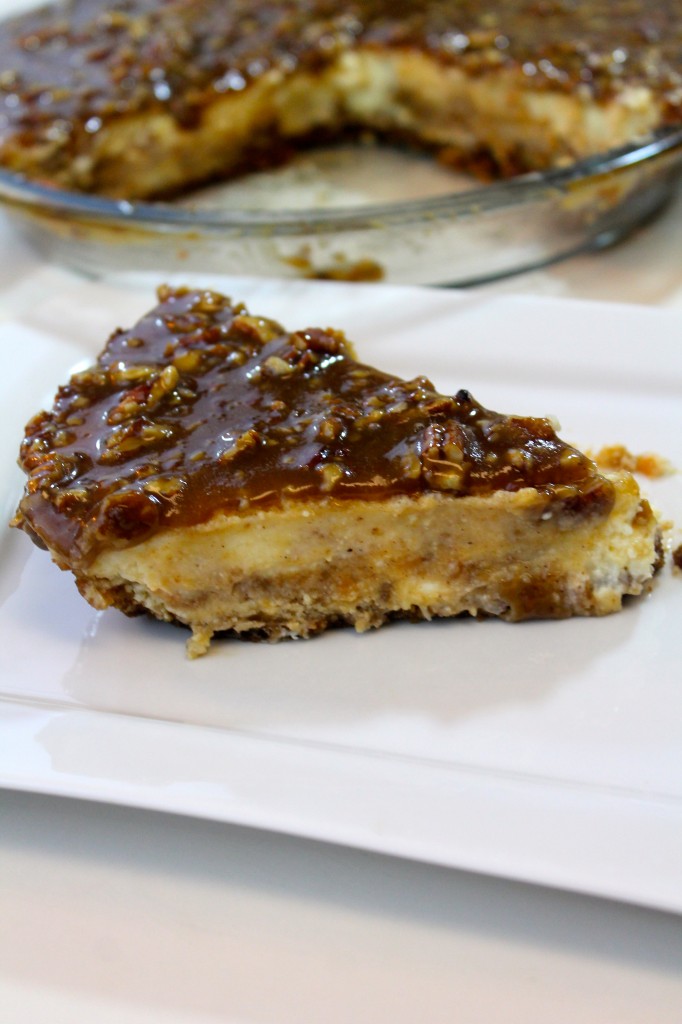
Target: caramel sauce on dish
x,y
69,68
202,408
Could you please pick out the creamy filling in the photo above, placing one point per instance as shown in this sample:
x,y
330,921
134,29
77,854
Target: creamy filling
x,y
401,93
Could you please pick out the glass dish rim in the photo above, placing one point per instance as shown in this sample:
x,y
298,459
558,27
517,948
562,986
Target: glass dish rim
x,y
20,192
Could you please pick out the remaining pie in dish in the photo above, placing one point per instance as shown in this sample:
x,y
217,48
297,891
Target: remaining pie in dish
x,y
137,98
216,470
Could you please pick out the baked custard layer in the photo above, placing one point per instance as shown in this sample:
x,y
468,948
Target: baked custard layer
x,y
295,570
138,99
215,469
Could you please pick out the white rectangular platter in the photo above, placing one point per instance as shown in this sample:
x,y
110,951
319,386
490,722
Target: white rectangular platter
x,y
547,751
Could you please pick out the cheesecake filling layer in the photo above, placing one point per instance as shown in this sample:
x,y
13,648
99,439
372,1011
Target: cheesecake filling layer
x,y
296,570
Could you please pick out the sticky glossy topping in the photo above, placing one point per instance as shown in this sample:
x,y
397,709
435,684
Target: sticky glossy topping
x,y
68,68
202,408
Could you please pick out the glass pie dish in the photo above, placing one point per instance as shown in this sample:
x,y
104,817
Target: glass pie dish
x,y
357,212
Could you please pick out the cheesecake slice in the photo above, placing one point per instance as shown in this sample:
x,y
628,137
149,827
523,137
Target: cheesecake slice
x,y
216,470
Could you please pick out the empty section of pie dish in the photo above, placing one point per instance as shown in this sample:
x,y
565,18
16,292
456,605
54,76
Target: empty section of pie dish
x,y
357,212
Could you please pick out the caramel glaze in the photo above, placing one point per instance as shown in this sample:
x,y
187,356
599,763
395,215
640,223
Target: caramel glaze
x,y
202,408
69,68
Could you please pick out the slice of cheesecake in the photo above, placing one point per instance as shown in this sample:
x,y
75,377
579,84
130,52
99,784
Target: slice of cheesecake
x,y
216,470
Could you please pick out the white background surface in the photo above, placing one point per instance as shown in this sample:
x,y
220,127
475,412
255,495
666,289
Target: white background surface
x,y
118,916
123,916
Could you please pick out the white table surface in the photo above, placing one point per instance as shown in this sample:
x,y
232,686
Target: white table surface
x,y
112,914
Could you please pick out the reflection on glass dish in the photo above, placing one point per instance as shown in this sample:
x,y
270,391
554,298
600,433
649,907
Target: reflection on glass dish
x,y
357,213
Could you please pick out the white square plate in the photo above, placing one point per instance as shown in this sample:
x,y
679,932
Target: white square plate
x,y
544,751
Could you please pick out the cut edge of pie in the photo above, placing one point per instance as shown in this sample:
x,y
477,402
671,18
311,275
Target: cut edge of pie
x,y
295,571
